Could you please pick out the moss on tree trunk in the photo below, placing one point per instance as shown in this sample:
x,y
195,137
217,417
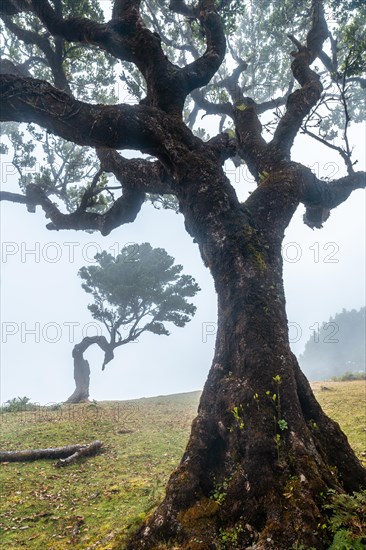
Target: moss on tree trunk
x,y
262,454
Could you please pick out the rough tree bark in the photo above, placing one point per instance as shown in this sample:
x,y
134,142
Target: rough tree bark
x,y
262,454
260,441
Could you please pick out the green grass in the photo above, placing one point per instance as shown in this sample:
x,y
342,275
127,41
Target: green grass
x,y
345,402
92,503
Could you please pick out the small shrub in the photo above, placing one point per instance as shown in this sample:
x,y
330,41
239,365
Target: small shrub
x,y
349,376
18,404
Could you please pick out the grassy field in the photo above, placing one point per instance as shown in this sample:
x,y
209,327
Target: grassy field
x,y
93,503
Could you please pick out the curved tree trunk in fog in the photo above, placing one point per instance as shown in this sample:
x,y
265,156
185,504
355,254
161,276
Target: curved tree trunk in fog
x,y
82,369
82,380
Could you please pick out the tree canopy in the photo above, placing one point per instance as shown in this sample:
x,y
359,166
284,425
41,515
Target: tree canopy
x,y
140,283
42,41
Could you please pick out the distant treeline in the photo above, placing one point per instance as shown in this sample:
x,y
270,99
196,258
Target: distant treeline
x,y
338,346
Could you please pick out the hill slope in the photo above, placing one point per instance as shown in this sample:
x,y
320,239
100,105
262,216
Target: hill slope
x,y
93,503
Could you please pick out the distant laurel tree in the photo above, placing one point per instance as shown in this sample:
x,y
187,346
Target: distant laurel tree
x,y
139,290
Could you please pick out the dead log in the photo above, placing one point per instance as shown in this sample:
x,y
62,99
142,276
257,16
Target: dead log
x,y
67,454
85,450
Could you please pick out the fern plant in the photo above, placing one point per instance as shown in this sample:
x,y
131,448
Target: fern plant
x,y
347,522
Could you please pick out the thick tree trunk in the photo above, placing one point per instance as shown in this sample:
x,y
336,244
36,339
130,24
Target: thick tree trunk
x,y
262,454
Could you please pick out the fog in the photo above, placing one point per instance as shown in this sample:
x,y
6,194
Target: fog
x,y
44,309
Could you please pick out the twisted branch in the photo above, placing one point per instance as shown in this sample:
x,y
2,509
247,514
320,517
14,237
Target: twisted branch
x,y
300,102
321,197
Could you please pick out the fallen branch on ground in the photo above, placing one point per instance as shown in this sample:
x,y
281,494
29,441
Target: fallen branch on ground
x,y
67,454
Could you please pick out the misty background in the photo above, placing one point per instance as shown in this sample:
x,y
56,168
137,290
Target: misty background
x,y
44,309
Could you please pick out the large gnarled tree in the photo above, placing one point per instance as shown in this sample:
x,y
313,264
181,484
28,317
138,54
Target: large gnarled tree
x,y
258,425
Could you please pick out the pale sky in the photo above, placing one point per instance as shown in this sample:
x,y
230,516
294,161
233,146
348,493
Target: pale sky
x,y
44,313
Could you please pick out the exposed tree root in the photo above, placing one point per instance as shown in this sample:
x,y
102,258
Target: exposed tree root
x,y
236,488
